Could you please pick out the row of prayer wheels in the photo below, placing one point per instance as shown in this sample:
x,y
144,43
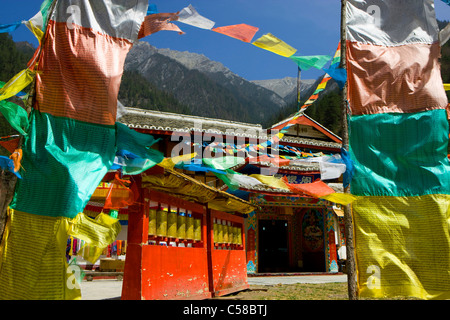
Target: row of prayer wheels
x,y
173,222
226,232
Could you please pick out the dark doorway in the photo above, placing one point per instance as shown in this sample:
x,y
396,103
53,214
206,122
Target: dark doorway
x,y
273,253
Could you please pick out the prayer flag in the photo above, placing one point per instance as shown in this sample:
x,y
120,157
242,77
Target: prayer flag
x,y
16,84
4,28
242,32
271,43
190,16
158,22
308,62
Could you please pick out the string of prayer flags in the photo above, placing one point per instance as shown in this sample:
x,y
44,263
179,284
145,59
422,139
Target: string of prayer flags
x,y
319,189
158,22
273,44
223,163
8,28
271,181
169,163
308,62
38,23
190,16
335,71
243,32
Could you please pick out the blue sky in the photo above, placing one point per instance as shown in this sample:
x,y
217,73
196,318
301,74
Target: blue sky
x,y
312,27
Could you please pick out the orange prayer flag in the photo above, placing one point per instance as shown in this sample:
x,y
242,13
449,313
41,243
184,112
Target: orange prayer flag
x,y
316,189
242,32
158,22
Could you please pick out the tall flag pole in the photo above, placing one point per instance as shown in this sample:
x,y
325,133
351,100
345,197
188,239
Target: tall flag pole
x,y
350,264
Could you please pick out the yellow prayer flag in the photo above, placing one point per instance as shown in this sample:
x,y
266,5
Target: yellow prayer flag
x,y
447,86
271,181
16,84
271,43
35,30
341,198
169,163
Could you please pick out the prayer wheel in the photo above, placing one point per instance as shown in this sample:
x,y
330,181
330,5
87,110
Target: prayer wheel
x,y
197,229
172,223
215,230
161,221
225,231
181,224
152,218
230,233
219,231
189,226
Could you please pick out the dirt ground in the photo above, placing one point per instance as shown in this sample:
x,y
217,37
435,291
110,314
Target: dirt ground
x,y
299,291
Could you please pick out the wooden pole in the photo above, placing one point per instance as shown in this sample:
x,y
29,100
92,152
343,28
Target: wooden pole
x,y
350,264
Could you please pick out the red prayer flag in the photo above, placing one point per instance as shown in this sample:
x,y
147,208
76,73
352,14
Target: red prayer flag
x,y
242,32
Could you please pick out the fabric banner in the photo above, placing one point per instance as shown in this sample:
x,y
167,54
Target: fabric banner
x,y
158,22
407,154
376,22
15,115
403,246
190,16
398,134
307,62
33,264
64,160
4,28
394,79
273,44
242,32
19,82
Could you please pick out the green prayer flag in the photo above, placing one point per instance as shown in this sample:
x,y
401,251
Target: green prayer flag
x,y
15,115
223,163
308,62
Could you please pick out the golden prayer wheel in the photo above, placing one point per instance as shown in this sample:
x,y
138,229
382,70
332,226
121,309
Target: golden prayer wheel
x,y
189,227
181,225
197,229
215,230
225,231
161,222
152,222
231,235
172,223
238,235
219,231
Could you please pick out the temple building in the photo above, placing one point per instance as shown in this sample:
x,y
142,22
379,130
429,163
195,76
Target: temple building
x,y
287,232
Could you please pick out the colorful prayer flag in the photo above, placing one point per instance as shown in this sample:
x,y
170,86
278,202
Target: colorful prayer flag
x,y
273,44
242,32
190,16
158,22
308,62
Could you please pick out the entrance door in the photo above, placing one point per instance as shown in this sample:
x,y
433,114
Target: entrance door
x,y
273,253
313,241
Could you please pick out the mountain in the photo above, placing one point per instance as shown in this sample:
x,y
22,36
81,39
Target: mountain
x,y
286,88
206,87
